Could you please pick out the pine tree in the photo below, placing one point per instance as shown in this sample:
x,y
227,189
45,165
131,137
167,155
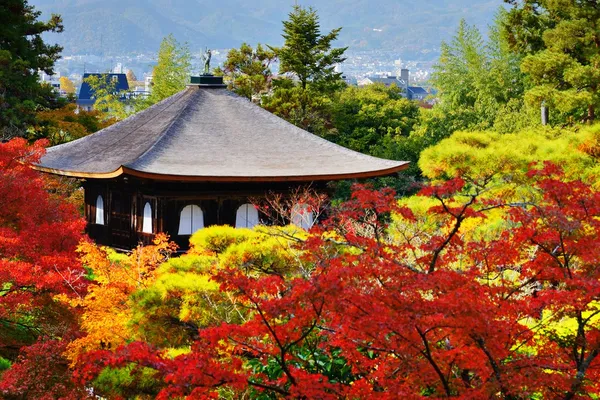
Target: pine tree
x,y
309,57
306,53
22,54
561,41
248,71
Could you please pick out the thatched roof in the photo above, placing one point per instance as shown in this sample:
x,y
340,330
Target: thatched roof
x,y
210,134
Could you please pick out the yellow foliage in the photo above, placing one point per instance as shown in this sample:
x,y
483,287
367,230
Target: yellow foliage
x,y
174,352
185,296
216,239
105,309
146,295
428,225
269,250
263,249
556,325
67,85
495,166
507,157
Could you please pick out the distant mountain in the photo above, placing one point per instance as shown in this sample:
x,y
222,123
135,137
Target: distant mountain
x,y
116,27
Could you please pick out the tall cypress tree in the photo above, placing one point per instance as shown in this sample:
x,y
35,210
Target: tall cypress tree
x,y
22,54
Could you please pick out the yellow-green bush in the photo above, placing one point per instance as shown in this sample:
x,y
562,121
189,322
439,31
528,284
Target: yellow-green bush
x,y
507,157
185,297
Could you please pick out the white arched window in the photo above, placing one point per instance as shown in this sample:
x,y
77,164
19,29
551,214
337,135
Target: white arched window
x,y
246,216
99,210
190,220
147,221
302,216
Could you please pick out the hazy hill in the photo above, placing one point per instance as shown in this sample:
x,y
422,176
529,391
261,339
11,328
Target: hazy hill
x,y
124,26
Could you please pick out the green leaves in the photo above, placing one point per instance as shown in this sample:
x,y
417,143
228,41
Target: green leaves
x,y
172,72
308,58
563,63
22,54
108,99
475,78
308,109
306,53
248,70
364,117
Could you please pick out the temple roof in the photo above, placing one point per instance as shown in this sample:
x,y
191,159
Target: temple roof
x,y
210,134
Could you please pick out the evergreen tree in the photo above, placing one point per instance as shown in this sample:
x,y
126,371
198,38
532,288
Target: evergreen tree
x,y
309,58
306,53
172,71
22,54
481,81
561,44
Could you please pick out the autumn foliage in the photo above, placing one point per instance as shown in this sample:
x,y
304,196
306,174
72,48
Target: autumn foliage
x,y
374,309
67,123
105,309
38,236
476,288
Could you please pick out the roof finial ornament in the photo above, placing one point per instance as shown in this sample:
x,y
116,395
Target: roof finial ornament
x,y
206,57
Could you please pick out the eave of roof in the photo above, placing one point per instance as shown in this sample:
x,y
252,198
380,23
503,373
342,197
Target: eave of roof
x,y
189,178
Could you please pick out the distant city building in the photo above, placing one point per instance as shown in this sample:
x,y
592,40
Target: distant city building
x,y
53,81
402,81
139,91
86,99
417,93
350,80
148,83
118,69
347,79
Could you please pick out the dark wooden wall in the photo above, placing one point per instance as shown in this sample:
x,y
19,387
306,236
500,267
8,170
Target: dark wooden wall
x,y
125,198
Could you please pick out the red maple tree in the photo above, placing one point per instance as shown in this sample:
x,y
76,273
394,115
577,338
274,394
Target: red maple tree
x,y
38,236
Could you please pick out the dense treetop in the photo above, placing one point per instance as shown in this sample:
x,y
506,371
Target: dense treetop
x,y
560,41
22,54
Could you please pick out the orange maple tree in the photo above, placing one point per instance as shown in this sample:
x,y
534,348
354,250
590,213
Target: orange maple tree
x,y
67,123
105,311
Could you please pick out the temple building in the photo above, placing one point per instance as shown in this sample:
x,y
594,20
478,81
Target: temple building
x,y
196,159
